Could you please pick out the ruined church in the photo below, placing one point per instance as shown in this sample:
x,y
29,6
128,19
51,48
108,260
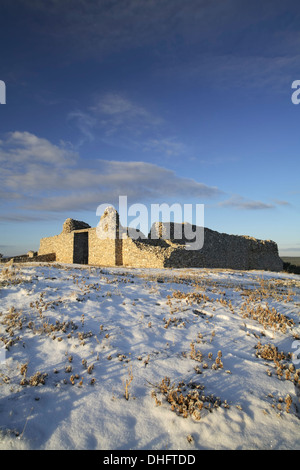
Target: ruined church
x,y
81,244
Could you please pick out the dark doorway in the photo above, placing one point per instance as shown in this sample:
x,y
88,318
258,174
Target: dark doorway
x,y
81,248
118,252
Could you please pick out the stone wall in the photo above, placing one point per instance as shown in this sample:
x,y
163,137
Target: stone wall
x,y
228,251
47,258
101,251
70,225
62,245
220,250
140,254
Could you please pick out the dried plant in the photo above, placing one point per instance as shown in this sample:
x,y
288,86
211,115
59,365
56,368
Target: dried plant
x,y
186,399
288,400
191,297
37,379
283,368
268,317
90,369
128,382
23,369
196,355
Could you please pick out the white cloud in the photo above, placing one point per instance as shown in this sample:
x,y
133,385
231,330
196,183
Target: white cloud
x,y
139,181
38,175
24,147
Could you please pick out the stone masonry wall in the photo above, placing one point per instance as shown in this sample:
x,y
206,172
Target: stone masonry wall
x,y
101,252
221,250
122,252
61,245
141,255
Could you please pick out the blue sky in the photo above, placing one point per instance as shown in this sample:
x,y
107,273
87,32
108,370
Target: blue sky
x,y
163,101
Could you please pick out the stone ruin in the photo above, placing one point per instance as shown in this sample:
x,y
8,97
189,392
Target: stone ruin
x,y
110,244
70,225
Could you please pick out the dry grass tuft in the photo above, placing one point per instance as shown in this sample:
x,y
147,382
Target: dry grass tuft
x,y
268,317
186,399
37,379
281,362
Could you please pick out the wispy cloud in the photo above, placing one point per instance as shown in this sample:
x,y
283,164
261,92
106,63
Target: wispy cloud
x,y
101,27
226,71
281,203
120,109
121,122
239,202
20,218
228,44
85,123
114,115
291,248
170,147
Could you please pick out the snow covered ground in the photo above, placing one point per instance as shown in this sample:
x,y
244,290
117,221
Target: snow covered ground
x,y
173,359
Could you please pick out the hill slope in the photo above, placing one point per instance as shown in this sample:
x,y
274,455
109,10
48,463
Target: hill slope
x,y
148,359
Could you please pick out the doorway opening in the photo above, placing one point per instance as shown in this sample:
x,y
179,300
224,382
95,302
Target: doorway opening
x,y
81,248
